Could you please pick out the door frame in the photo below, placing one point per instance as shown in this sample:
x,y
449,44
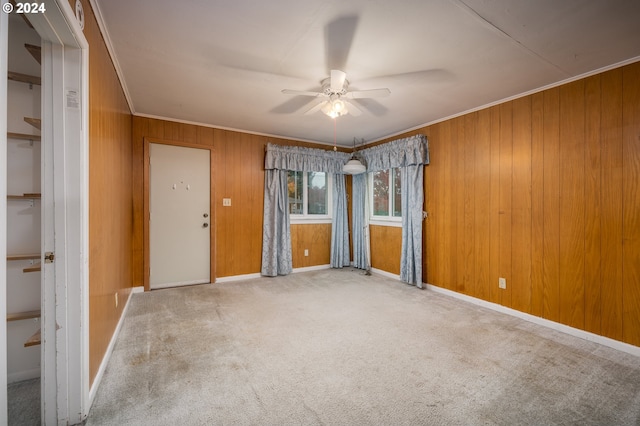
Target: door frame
x,y
4,62
65,386
65,231
145,220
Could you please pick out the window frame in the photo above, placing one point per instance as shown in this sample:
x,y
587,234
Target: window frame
x,y
390,219
305,217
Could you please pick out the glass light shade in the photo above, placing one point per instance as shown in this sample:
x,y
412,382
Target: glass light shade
x,y
334,108
354,167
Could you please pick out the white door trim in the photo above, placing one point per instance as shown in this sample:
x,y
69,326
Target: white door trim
x,y
4,44
65,292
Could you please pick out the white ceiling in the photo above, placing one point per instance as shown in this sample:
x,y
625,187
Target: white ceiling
x,y
224,62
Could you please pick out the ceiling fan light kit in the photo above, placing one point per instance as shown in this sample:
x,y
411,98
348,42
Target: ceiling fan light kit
x,y
335,91
334,107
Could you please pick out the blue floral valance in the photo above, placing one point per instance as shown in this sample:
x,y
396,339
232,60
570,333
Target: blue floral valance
x,y
404,152
298,158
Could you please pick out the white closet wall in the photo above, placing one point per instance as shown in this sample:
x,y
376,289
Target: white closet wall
x,y
23,214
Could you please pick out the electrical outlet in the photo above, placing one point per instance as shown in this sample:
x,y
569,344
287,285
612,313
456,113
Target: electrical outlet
x,y
116,299
502,283
306,252
226,202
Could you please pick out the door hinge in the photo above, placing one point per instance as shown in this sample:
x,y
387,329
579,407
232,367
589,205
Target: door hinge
x,y
49,257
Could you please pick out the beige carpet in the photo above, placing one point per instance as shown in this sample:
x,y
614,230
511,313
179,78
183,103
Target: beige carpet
x,y
334,347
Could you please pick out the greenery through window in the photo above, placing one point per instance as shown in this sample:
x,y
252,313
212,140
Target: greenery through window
x,y
386,194
308,193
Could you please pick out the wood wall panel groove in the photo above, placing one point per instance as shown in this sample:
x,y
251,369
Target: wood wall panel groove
x,y
458,278
494,206
611,201
433,223
448,208
537,204
551,206
593,188
482,210
521,206
572,205
468,234
505,210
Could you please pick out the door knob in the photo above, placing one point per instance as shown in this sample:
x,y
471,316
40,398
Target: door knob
x,y
205,225
205,215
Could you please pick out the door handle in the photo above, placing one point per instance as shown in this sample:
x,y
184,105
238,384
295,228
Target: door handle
x,y
205,215
205,225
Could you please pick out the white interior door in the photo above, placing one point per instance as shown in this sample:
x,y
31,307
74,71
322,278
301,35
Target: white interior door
x,y
179,216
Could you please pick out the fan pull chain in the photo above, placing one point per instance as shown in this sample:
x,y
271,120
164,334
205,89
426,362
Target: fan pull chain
x,y
335,125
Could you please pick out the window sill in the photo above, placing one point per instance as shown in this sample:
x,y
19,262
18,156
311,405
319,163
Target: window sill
x,y
309,220
386,222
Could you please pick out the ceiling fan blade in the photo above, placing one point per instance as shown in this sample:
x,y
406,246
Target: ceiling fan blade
x,y
317,107
371,106
338,37
293,104
337,80
428,76
302,93
353,110
373,93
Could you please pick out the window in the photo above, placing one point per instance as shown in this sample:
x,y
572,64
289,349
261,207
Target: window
x,y
386,195
309,195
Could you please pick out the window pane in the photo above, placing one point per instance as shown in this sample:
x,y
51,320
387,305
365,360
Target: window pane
x,y
397,194
381,193
294,185
317,193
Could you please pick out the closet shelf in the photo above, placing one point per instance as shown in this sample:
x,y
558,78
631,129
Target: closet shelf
x,y
23,256
24,78
33,340
35,51
35,122
27,196
23,136
35,268
23,315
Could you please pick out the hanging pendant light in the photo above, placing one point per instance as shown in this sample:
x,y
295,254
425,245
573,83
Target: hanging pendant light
x,y
354,166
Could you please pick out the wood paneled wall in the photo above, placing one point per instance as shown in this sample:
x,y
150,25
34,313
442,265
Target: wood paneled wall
x,y
386,245
544,191
110,206
239,174
313,237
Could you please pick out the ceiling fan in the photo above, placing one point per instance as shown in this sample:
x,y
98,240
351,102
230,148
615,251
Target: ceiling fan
x,y
336,96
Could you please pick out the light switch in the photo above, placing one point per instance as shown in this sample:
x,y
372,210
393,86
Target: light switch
x,y
226,202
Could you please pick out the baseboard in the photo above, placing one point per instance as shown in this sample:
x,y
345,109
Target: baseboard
x,y
258,275
139,289
605,341
23,375
107,355
179,284
311,268
385,274
237,278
